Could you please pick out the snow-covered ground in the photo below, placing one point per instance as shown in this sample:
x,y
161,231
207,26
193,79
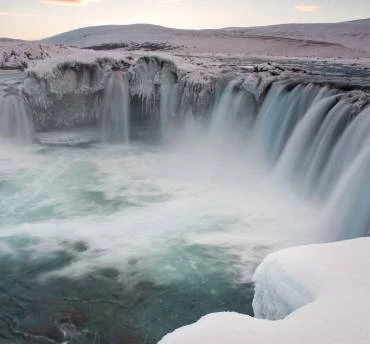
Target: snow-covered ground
x,y
321,290
21,55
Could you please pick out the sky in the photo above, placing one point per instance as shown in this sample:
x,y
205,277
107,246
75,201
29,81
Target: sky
x,y
36,19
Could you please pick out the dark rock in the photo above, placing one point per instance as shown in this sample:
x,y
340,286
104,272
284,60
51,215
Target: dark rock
x,y
72,316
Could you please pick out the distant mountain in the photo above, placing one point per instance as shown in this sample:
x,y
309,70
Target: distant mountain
x,y
5,39
109,34
345,39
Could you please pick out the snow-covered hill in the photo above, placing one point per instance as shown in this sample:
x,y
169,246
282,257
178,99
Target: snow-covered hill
x,y
346,40
351,34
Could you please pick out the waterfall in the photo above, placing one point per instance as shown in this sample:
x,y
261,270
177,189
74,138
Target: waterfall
x,y
115,116
292,161
281,111
311,139
14,120
308,136
232,105
168,94
354,140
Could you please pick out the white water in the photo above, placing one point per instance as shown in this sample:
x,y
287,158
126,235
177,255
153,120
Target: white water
x,y
168,94
301,135
115,110
323,156
15,123
146,204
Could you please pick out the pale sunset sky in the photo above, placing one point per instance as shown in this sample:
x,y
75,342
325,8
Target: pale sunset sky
x,y
35,19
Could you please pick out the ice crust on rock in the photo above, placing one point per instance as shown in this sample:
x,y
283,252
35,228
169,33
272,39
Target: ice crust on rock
x,y
317,294
80,80
67,92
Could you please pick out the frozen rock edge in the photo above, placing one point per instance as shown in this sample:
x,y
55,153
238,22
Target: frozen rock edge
x,y
319,293
67,92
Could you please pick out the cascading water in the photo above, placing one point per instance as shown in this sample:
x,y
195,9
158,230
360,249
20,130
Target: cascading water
x,y
291,163
324,154
227,107
14,120
115,110
280,113
168,97
233,112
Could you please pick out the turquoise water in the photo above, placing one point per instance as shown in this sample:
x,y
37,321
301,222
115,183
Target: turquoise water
x,y
123,244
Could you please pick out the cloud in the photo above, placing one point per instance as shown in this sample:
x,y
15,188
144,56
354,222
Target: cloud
x,y
167,2
307,8
70,2
16,14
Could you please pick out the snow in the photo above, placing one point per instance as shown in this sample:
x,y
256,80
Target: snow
x,y
319,293
20,55
225,49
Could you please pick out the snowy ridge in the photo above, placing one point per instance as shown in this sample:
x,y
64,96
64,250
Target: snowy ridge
x,y
321,290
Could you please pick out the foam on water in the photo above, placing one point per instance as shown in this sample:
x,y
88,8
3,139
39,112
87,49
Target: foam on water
x,y
165,219
128,197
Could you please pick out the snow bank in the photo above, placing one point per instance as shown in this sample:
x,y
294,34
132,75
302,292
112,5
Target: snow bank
x,y
321,293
